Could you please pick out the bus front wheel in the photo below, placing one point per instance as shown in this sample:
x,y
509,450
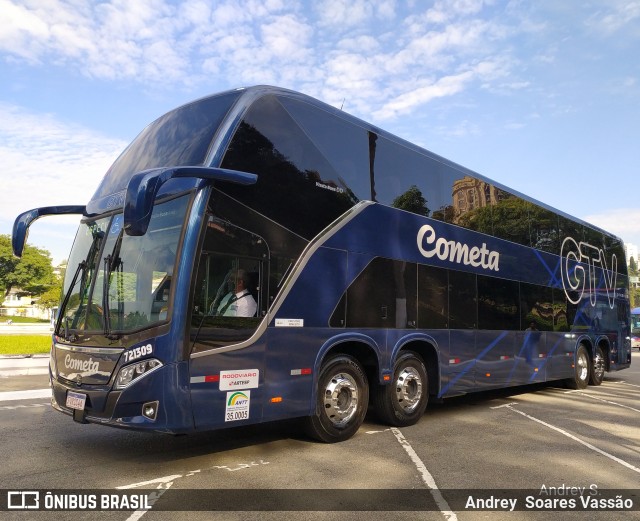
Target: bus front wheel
x,y
403,401
582,369
341,402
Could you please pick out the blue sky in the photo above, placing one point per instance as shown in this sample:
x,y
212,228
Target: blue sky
x,y
543,97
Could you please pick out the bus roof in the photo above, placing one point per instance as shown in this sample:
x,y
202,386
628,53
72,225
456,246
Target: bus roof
x,y
217,123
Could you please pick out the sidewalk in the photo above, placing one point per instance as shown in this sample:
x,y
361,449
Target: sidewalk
x,y
26,365
17,328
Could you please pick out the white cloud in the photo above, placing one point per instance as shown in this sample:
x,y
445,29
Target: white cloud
x,y
620,221
65,162
371,53
49,163
343,14
614,16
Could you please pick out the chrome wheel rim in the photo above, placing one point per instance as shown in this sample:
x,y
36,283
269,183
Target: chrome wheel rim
x,y
583,366
408,389
598,365
341,399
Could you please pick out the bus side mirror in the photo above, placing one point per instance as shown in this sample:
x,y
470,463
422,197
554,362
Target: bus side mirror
x,y
144,186
26,219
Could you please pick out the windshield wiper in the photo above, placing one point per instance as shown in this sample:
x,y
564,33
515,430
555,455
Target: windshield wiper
x,y
81,267
111,262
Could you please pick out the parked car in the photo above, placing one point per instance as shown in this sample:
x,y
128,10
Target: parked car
x,y
635,338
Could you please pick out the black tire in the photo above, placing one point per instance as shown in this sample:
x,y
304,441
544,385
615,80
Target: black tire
x,y
341,402
403,401
598,367
582,369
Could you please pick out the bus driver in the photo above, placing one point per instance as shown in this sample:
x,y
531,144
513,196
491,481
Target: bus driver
x,y
238,302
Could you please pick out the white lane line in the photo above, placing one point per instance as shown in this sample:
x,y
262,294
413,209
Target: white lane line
x,y
8,396
574,438
610,402
444,507
164,484
623,382
165,479
22,406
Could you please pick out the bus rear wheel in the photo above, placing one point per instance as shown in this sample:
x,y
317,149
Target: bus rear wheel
x,y
403,401
597,367
341,402
582,369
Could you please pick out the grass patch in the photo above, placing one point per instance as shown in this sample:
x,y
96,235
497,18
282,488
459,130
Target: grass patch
x,y
24,344
24,320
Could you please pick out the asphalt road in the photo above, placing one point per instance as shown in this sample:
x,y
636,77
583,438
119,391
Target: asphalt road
x,y
544,441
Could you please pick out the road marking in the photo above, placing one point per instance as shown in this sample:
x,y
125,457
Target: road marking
x,y
623,382
165,479
9,396
22,406
504,405
575,438
609,402
163,485
445,509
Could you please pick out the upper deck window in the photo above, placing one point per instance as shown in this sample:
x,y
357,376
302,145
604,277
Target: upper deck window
x,y
303,183
179,138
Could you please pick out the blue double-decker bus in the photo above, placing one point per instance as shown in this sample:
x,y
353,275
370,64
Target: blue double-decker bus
x,y
258,255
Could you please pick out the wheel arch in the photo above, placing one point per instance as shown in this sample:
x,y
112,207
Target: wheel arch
x,y
361,347
427,348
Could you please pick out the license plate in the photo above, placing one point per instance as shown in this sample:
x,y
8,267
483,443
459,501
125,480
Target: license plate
x,y
76,400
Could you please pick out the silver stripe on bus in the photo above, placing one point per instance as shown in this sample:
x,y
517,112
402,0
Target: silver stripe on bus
x,y
91,350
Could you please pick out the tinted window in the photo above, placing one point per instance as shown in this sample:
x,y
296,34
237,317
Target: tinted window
x,y
473,201
544,229
462,300
179,138
498,304
569,228
297,186
382,296
536,306
344,145
433,305
563,311
407,179
511,218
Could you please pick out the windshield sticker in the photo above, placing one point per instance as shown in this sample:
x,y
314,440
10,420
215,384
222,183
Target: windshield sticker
x,y
116,225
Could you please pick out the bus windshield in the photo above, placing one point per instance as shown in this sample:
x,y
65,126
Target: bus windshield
x,y
116,283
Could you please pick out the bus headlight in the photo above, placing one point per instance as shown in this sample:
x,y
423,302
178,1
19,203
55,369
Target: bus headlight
x,y
131,373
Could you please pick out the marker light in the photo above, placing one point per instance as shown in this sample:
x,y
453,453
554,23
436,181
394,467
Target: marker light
x,y
132,372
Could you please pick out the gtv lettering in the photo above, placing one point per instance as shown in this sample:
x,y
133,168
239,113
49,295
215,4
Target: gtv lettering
x,y
460,253
575,278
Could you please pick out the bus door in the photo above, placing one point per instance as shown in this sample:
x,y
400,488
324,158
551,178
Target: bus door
x,y
226,363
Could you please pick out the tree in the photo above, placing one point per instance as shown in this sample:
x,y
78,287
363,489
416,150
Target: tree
x,y
32,274
412,201
633,266
51,297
